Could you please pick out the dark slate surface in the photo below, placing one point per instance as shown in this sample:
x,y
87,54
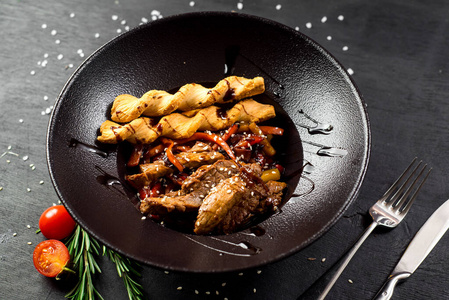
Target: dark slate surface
x,y
398,52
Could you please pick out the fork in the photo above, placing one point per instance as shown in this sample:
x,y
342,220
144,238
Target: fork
x,y
388,211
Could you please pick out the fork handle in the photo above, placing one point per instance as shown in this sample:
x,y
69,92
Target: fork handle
x,y
346,260
387,290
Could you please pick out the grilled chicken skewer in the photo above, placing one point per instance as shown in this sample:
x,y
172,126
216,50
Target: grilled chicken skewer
x,y
192,96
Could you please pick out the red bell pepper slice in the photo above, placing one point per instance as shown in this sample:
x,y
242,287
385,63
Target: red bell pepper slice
x,y
171,157
271,130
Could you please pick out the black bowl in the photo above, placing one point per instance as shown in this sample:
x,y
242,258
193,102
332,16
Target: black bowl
x,y
305,83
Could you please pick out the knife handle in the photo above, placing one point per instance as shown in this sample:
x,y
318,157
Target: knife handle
x,y
387,290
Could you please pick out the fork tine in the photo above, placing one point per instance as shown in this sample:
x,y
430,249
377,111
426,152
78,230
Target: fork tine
x,y
395,200
396,183
407,206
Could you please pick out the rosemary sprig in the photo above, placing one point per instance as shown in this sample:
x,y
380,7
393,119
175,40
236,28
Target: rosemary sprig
x,y
82,249
125,270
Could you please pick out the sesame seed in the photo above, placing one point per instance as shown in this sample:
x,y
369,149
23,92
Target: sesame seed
x,y
341,18
329,38
123,22
207,293
179,288
14,234
60,56
32,72
28,226
53,32
323,19
240,5
97,35
278,7
297,28
114,17
72,15
311,258
350,281
259,271
29,243
1,188
309,25
28,190
345,48
240,274
119,30
192,3
254,290
197,292
323,259
223,284
57,42
350,71
41,182
44,26
45,98
20,120
217,293
144,20
166,272
144,218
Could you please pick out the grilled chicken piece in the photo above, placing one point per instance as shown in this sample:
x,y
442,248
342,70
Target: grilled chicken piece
x,y
179,126
193,191
190,96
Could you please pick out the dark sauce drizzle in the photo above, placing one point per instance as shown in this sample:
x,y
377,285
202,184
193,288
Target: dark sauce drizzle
x,y
109,181
73,143
318,127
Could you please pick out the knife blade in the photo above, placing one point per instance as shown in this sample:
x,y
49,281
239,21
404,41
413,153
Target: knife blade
x,y
418,249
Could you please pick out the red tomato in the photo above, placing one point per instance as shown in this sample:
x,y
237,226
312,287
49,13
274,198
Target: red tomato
x,y
50,257
56,223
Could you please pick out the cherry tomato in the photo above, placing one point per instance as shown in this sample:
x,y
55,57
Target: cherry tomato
x,y
56,223
50,257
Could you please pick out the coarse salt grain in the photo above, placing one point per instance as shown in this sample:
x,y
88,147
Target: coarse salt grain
x,y
323,19
309,25
14,234
97,35
44,26
32,72
240,5
345,48
329,38
25,157
114,17
20,120
341,18
53,32
57,42
28,190
192,3
350,71
144,20
72,15
60,56
297,28
28,226
45,98
278,7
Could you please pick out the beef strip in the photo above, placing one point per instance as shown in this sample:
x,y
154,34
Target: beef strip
x,y
193,160
236,200
149,172
193,191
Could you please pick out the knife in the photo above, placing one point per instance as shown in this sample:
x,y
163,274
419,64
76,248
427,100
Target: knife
x,y
418,249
